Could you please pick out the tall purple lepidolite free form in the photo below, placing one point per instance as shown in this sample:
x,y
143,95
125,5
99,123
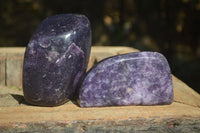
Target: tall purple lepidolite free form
x,y
141,78
56,59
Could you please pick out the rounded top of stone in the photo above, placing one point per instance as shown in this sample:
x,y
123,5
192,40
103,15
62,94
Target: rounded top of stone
x,y
61,23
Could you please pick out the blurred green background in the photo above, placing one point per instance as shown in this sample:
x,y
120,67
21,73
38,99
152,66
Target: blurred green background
x,y
167,26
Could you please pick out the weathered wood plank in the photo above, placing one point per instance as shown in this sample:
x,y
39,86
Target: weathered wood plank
x,y
71,112
170,117
181,116
11,62
14,65
2,68
184,94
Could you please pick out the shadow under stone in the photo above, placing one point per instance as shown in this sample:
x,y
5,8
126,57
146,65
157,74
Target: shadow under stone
x,y
20,99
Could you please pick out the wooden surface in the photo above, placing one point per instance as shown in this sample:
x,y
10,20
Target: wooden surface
x,y
17,116
11,62
174,117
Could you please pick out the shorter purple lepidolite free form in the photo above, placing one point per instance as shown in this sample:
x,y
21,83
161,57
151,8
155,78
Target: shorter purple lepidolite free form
x,y
141,78
56,59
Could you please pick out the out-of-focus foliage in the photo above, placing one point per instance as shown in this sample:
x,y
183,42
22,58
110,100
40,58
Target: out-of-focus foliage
x,y
167,26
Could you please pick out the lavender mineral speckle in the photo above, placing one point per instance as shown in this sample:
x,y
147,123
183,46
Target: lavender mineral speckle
x,y
141,78
56,59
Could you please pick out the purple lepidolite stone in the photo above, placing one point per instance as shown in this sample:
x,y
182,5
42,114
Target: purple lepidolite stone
x,y
56,59
141,78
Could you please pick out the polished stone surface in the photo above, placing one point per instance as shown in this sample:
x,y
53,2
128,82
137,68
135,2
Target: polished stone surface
x,y
56,59
141,78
